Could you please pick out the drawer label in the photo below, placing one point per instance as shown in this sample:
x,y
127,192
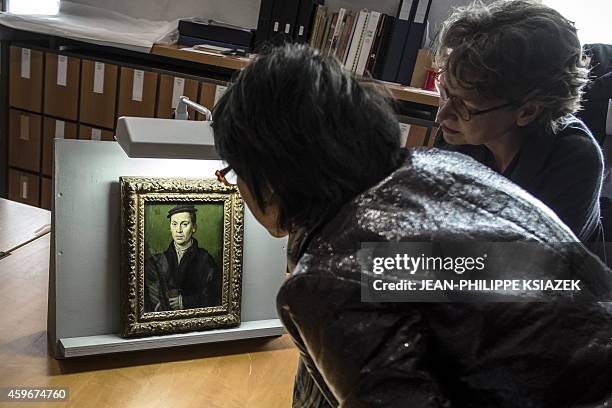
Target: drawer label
x,y
178,90
60,127
137,85
96,134
24,132
62,70
23,190
25,63
98,85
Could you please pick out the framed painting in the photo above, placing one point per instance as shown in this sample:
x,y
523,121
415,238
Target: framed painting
x,y
181,255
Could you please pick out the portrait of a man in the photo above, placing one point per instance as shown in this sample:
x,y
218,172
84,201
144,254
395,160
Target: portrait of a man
x,y
184,275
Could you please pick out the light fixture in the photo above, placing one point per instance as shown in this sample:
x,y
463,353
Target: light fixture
x,y
169,138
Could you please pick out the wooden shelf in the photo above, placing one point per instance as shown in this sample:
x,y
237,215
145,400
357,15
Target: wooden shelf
x,y
202,57
403,93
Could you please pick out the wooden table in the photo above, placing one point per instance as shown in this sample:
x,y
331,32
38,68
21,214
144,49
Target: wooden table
x,y
254,373
20,223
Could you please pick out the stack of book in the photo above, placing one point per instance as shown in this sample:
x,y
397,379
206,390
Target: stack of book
x,y
371,43
216,35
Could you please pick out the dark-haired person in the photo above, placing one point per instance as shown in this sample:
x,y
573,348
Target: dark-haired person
x,y
316,153
511,78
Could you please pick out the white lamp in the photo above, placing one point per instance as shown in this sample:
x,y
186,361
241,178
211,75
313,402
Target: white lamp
x,y
168,138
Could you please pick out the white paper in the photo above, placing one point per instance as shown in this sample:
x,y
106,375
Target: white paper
x,y
137,85
60,127
24,133
96,134
219,91
419,17
405,10
62,70
98,86
23,181
26,55
177,90
404,130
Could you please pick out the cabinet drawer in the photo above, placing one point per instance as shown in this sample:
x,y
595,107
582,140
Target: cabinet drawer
x,y
24,140
25,79
98,92
62,86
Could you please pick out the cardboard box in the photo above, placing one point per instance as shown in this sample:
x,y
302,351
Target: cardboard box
x,y
209,94
98,93
137,93
54,129
25,79
62,76
92,133
46,193
24,187
170,88
24,140
421,66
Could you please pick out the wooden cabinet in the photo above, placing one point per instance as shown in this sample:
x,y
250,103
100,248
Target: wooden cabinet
x,y
62,74
54,129
25,79
46,193
170,88
137,93
24,187
92,133
24,140
98,93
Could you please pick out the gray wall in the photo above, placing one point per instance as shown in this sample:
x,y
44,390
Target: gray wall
x,y
245,12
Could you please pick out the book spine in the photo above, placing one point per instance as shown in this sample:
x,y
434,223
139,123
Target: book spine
x,y
356,41
368,38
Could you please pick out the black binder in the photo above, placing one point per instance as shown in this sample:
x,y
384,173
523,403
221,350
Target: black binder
x,y
214,32
284,15
263,23
399,36
305,19
412,45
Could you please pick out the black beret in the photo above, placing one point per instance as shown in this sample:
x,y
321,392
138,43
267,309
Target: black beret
x,y
179,208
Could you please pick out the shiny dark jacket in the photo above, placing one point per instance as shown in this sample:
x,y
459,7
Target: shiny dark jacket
x,y
555,353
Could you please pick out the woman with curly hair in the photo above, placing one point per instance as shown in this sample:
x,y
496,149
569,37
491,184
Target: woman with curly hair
x,y
511,77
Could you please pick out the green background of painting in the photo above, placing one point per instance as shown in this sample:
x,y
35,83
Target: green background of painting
x,y
209,233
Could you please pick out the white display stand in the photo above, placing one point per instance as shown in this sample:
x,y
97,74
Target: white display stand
x,y
84,275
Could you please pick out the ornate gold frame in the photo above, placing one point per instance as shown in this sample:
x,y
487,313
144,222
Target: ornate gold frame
x,y
135,192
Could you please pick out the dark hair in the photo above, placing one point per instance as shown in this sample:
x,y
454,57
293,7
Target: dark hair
x,y
518,50
300,131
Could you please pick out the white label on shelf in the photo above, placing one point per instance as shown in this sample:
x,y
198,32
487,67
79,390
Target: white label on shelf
x,y
60,127
23,182
177,91
419,17
276,26
219,92
24,133
287,28
405,10
137,85
25,63
301,32
404,130
96,134
98,85
62,70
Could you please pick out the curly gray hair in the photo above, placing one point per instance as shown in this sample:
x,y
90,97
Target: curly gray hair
x,y
518,50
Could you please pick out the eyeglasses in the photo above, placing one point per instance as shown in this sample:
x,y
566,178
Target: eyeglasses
x,y
459,105
226,176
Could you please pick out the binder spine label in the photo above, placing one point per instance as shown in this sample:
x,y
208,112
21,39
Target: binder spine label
x,y
62,70
60,127
98,85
